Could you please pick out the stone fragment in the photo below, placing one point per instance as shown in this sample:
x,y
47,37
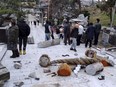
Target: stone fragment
x,y
32,75
17,65
47,70
18,84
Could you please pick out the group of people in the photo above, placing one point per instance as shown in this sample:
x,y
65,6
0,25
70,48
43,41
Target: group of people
x,y
73,32
18,32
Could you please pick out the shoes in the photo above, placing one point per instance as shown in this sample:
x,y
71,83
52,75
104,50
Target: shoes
x,y
16,53
101,78
13,56
20,52
71,49
24,52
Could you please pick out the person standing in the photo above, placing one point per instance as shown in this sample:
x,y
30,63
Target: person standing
x,y
47,31
89,35
81,30
24,31
66,32
97,31
13,33
74,34
34,22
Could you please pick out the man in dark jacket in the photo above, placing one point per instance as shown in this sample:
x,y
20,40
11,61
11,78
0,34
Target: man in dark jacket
x,y
66,32
89,35
47,31
24,31
97,31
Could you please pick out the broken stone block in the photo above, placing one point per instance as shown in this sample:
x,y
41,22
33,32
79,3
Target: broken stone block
x,y
4,73
32,75
19,84
94,68
17,65
47,70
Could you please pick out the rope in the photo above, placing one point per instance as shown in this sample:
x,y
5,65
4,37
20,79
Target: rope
x,y
76,61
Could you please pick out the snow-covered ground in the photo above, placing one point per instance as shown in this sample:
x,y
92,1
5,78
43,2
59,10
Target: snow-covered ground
x,y
30,64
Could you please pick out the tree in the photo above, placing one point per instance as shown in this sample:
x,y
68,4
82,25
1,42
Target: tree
x,y
59,8
107,6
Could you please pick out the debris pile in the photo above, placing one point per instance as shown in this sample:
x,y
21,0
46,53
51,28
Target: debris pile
x,y
93,63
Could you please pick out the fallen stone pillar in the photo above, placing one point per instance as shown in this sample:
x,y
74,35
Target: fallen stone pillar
x,y
49,43
44,61
94,68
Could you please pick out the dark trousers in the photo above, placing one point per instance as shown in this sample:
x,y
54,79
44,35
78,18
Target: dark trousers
x,y
61,36
15,53
96,38
79,39
67,38
22,41
52,35
88,41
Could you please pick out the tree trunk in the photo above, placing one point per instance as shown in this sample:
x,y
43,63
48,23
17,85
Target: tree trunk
x,y
79,3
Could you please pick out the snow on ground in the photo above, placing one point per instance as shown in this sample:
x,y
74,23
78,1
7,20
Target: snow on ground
x,y
30,64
